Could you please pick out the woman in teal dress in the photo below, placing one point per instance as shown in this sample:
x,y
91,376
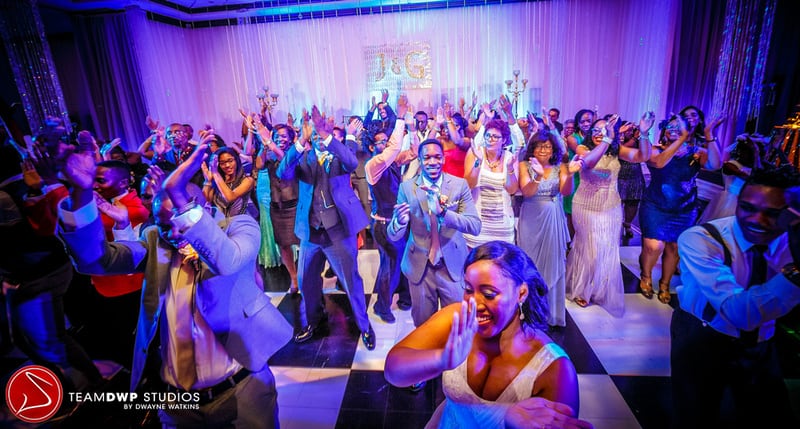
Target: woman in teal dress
x,y
583,124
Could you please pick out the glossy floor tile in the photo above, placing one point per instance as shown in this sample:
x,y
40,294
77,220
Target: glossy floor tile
x,y
333,381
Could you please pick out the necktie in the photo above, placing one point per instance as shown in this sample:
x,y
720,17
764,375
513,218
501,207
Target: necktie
x,y
325,161
758,275
433,253
758,267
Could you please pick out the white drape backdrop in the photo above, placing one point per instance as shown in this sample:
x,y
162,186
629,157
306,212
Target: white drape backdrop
x,y
614,54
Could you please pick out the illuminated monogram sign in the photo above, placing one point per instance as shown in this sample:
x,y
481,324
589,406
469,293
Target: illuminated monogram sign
x,y
405,65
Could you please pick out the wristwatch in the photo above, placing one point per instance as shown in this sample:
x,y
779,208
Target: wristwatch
x,y
791,272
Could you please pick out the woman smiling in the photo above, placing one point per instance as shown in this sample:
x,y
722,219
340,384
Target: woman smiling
x,y
498,366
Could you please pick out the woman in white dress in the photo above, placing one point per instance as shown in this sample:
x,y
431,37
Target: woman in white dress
x,y
491,173
498,367
594,273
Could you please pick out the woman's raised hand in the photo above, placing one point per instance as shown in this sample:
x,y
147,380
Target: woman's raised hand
x,y
459,343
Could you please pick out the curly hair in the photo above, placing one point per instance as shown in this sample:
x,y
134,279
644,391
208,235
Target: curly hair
x,y
517,266
502,126
541,138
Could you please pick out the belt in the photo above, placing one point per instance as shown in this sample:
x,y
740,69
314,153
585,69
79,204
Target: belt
x,y
283,204
209,393
380,218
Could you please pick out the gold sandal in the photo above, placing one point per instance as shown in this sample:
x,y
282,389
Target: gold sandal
x,y
646,287
663,293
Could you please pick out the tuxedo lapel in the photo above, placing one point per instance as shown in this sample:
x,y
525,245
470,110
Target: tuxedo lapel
x,y
422,197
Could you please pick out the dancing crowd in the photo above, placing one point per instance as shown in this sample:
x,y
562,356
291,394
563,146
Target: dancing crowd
x,y
485,223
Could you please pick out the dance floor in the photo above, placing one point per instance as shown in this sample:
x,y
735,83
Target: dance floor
x,y
334,382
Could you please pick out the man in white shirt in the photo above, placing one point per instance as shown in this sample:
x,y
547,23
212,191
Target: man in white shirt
x,y
738,276
217,329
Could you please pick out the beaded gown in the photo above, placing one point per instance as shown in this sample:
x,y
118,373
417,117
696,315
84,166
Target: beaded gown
x,y
594,272
543,235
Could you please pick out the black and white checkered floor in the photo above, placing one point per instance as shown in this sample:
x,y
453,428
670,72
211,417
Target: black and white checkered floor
x,y
623,364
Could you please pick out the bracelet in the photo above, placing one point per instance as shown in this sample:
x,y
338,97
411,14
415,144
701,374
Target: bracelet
x,y
713,139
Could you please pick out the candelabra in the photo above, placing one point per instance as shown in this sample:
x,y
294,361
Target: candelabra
x,y
512,87
268,100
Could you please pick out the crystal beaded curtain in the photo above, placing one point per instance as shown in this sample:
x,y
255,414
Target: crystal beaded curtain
x,y
31,62
739,83
614,54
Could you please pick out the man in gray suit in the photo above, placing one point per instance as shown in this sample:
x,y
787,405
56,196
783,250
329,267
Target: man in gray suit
x,y
329,216
217,329
438,209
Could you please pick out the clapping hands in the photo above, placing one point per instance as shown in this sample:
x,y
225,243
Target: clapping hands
x,y
323,126
116,211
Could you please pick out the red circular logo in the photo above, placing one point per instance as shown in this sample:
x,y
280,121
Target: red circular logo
x,y
34,394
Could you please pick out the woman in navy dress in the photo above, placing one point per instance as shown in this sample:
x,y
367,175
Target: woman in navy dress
x,y
669,206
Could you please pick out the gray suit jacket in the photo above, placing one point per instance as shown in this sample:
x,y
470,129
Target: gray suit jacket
x,y
244,321
304,167
461,217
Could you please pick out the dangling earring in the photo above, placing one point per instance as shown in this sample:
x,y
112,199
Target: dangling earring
x,y
521,313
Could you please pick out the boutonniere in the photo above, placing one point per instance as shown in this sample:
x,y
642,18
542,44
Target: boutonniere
x,y
190,255
445,202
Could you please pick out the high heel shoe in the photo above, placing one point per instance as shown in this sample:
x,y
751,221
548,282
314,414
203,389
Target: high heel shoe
x,y
663,293
581,302
646,287
628,231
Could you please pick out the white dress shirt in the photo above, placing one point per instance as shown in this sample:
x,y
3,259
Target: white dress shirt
x,y
706,279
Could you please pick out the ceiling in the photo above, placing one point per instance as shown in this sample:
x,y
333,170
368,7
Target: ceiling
x,y
231,12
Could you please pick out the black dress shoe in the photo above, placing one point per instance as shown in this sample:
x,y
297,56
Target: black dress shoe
x,y
368,337
417,387
403,306
304,335
387,317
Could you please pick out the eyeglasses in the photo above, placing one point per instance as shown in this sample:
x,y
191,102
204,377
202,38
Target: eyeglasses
x,y
492,137
227,162
544,147
176,132
597,130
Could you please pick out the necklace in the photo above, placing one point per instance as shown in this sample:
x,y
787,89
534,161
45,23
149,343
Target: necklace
x,y
493,164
